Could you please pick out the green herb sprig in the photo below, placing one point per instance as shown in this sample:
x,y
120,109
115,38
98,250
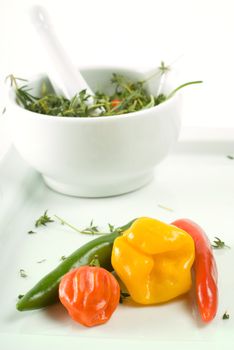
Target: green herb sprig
x,y
91,229
132,96
43,220
219,244
23,96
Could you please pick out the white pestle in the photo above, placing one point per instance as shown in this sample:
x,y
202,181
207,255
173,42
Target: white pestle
x,y
64,76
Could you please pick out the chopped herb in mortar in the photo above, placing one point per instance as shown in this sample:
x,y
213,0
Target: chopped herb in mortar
x,y
129,96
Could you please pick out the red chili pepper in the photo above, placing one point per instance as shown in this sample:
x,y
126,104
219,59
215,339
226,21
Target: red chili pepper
x,y
90,295
115,102
205,270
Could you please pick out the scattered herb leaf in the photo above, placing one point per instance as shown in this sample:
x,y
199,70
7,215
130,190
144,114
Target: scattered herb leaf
x,y
226,316
41,261
63,257
164,207
31,232
23,273
43,220
20,296
218,244
4,110
230,157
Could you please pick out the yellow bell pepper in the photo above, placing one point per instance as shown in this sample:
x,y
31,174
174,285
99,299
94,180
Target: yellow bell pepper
x,y
154,260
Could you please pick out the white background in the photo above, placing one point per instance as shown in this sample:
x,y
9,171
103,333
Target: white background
x,y
139,34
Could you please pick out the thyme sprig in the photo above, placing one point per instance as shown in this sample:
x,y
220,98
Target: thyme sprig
x,y
219,244
132,96
43,220
23,96
89,230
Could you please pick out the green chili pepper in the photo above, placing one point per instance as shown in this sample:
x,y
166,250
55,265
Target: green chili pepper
x,y
45,292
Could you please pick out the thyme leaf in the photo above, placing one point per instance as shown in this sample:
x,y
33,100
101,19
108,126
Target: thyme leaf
x,y
230,157
226,316
41,261
219,244
31,232
23,274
